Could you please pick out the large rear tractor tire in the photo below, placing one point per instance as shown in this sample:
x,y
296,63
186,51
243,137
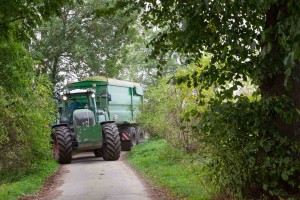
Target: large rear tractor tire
x,y
62,145
111,143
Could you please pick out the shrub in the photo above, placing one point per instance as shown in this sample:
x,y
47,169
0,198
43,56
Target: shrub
x,y
164,105
25,102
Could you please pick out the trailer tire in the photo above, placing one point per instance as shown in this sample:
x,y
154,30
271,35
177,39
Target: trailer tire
x,y
137,135
126,145
133,136
111,143
140,135
62,145
98,152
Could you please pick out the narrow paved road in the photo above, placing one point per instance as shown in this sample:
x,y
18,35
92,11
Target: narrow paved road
x,y
91,178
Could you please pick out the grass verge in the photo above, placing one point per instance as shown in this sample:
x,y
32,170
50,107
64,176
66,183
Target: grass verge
x,y
184,175
27,183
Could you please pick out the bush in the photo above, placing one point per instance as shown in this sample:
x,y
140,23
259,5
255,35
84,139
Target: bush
x,y
25,100
249,163
249,157
163,110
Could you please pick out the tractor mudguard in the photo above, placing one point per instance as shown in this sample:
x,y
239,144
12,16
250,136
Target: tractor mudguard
x,y
106,122
56,125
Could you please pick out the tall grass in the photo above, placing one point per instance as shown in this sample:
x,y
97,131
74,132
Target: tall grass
x,y
183,174
29,182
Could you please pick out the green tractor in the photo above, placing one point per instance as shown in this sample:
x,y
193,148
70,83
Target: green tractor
x,y
80,126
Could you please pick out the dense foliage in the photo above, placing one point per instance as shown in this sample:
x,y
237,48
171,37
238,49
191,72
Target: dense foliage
x,y
18,18
26,106
166,105
81,43
139,65
254,142
162,111
25,97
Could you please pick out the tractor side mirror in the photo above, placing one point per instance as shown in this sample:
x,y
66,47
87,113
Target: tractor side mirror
x,y
109,97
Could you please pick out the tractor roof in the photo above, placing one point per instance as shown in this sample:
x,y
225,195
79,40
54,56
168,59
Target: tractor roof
x,y
79,91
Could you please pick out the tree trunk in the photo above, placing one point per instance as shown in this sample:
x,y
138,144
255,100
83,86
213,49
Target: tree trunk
x,y
273,86
54,70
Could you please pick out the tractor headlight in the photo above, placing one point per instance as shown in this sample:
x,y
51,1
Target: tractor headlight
x,y
65,98
93,95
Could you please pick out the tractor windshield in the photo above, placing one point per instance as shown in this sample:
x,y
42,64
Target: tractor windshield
x,y
76,101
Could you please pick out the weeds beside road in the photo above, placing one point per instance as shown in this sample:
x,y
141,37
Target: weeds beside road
x,y
180,173
19,185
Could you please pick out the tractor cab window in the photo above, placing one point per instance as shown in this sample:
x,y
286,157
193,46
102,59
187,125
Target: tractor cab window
x,y
74,102
79,102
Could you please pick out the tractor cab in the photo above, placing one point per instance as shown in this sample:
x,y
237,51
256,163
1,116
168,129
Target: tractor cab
x,y
80,104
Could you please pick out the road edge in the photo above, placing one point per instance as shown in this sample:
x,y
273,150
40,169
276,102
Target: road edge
x,y
155,192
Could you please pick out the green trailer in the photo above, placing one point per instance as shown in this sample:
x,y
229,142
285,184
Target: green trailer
x,y
118,101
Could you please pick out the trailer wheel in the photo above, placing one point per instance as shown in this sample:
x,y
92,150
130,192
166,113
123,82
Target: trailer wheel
x,y
133,137
137,135
126,145
98,152
62,145
140,135
111,143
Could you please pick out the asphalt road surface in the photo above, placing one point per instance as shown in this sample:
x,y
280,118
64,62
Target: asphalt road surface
x,y
91,178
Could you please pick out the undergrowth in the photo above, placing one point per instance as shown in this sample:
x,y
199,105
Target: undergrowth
x,y
26,183
183,174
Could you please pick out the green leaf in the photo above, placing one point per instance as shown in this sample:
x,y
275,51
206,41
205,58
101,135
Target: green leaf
x,y
284,176
288,72
288,61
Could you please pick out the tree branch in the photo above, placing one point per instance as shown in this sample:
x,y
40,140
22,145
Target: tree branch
x,y
10,21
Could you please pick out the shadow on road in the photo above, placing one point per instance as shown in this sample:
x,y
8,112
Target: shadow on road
x,y
85,158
